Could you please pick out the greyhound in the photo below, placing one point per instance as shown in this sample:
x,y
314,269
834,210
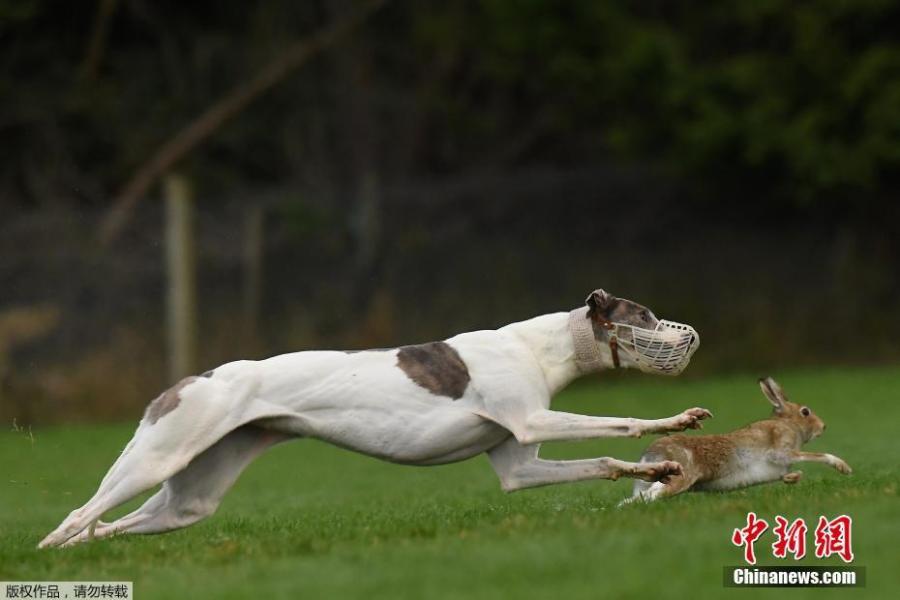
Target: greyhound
x,y
427,404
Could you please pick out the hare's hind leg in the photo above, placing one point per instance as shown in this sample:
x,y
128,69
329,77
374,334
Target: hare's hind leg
x,y
792,477
195,492
648,492
642,487
676,485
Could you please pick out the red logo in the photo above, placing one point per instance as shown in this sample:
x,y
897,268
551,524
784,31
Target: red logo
x,y
747,536
831,537
791,539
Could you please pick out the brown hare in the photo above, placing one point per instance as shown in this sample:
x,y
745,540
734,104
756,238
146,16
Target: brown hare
x,y
761,452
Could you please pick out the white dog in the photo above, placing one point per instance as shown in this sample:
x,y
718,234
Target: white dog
x,y
483,391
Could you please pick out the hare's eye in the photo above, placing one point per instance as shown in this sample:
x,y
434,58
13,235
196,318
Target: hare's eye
x,y
804,411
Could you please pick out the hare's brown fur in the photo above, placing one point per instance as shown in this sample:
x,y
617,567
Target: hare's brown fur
x,y
760,452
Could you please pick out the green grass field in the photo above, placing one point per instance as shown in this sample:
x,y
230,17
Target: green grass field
x,y
311,521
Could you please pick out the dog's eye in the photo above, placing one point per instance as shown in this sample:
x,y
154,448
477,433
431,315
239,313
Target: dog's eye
x,y
804,411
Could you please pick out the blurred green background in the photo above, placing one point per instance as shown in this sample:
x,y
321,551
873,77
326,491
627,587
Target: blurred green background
x,y
433,168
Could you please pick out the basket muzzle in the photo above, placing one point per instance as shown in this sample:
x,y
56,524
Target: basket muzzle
x,y
666,350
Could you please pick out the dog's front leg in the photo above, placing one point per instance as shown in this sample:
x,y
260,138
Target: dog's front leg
x,y
519,467
551,425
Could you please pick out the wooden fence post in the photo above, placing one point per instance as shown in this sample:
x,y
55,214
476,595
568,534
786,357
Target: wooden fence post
x,y
181,275
254,244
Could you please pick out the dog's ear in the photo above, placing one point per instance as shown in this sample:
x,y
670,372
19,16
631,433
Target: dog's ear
x,y
599,302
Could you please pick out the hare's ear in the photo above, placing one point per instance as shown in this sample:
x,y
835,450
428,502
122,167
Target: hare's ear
x,y
600,301
774,393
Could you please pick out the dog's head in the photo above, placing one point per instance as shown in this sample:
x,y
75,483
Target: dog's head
x,y
649,344
604,307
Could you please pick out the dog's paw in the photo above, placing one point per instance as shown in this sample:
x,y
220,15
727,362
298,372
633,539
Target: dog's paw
x,y
691,418
661,471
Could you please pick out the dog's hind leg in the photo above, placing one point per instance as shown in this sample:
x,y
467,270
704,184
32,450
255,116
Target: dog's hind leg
x,y
179,425
195,492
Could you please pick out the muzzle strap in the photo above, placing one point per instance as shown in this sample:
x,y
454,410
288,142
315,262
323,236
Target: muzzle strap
x,y
614,349
587,350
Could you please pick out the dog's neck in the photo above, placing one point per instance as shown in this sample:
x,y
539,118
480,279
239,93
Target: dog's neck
x,y
563,354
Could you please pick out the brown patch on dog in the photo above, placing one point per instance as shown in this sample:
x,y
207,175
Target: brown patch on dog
x,y
167,401
435,366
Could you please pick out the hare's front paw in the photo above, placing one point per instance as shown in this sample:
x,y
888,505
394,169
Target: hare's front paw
x,y
841,466
691,419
